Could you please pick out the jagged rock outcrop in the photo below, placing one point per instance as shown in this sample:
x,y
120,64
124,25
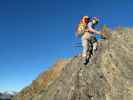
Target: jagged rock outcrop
x,y
109,78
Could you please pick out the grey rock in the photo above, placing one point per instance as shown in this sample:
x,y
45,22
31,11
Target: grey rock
x,y
110,78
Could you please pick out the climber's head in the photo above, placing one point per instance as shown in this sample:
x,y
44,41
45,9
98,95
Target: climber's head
x,y
95,20
85,19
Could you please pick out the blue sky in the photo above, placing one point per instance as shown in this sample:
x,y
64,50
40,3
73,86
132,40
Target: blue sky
x,y
35,33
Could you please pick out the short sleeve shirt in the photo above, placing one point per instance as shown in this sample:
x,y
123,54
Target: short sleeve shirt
x,y
90,25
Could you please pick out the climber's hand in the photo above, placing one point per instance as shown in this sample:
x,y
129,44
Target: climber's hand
x,y
98,32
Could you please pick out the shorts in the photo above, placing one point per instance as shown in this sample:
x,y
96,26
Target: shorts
x,y
93,39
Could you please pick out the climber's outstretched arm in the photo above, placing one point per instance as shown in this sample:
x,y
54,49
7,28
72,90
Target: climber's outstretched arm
x,y
90,29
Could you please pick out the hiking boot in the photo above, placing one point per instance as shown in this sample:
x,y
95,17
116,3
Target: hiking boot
x,y
84,61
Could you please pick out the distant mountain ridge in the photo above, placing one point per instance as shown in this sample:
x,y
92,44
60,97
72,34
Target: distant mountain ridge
x,y
108,77
7,95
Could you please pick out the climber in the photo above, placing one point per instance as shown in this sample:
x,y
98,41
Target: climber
x,y
98,36
82,31
86,30
91,38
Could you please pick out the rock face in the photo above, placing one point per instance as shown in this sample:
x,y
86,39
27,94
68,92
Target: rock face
x,y
108,77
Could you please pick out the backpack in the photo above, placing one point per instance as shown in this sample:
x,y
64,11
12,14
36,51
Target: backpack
x,y
80,29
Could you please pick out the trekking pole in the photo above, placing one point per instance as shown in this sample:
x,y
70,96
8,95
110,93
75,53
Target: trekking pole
x,y
77,46
76,43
